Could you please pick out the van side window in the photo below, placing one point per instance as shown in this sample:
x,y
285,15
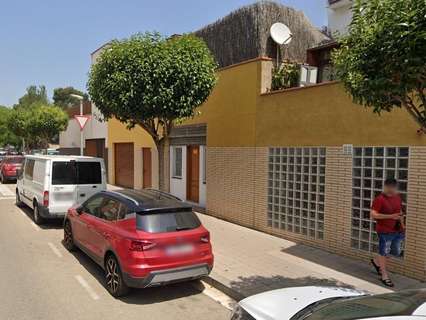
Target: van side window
x,y
29,169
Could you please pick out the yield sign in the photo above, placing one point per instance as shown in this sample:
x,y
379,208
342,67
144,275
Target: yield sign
x,y
81,120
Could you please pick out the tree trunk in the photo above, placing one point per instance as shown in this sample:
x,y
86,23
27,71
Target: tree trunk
x,y
163,147
415,116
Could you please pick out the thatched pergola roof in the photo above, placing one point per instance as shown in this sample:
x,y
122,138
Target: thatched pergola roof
x,y
244,34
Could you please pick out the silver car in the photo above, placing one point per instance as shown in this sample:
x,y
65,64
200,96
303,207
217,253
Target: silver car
x,y
328,303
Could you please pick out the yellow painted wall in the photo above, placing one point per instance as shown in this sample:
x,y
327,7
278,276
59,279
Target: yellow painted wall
x,y
325,115
238,115
118,133
230,110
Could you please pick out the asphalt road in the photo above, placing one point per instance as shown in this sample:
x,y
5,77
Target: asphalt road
x,y
42,280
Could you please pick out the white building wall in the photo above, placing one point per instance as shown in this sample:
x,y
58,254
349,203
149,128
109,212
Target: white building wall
x,y
70,138
339,17
178,185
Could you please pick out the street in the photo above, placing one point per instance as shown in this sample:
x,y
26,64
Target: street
x,y
42,280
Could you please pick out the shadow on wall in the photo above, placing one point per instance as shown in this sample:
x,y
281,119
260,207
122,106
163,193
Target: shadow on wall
x,y
248,286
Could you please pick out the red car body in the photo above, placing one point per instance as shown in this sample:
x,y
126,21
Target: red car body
x,y
147,254
9,167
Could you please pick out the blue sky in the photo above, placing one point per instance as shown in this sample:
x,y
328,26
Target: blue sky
x,y
49,42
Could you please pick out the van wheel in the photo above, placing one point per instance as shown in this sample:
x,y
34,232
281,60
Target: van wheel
x,y
37,218
114,278
68,237
18,201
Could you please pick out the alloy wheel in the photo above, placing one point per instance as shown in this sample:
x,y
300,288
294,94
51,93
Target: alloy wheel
x,y
112,275
68,238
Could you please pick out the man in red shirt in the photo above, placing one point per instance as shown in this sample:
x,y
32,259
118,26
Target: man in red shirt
x,y
387,211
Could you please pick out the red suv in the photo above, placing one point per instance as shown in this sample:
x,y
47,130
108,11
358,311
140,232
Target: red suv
x,y
9,168
141,238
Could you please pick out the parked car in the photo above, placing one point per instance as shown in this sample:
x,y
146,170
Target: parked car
x,y
9,167
50,185
328,303
142,238
3,154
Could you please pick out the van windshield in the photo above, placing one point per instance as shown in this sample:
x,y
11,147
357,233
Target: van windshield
x,y
76,172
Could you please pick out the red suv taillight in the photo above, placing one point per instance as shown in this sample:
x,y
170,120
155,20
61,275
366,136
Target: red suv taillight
x,y
141,245
46,198
205,238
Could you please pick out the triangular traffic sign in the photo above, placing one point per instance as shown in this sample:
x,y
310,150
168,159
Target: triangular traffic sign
x,y
81,120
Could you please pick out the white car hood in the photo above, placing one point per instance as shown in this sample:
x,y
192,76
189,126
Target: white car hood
x,y
282,304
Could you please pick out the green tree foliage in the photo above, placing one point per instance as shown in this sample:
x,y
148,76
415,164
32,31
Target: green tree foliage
x,y
35,96
382,61
62,97
151,81
7,137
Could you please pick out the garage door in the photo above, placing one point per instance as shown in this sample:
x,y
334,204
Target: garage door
x,y
124,165
95,148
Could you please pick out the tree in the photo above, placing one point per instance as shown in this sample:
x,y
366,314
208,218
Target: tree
x,y
62,97
7,137
382,61
39,125
35,96
152,81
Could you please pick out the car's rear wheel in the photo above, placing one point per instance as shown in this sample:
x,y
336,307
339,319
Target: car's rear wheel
x,y
114,278
38,219
68,236
18,201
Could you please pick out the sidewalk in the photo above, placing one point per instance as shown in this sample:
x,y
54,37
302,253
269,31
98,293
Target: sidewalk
x,y
249,262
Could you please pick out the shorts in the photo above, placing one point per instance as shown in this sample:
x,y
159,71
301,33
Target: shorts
x,y
390,244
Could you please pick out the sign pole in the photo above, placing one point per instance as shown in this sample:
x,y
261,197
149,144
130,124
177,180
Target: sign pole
x,y
81,129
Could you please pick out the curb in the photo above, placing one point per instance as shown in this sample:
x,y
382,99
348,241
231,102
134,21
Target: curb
x,y
230,292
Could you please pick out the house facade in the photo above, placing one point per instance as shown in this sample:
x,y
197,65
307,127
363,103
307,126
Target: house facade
x,y
339,16
305,163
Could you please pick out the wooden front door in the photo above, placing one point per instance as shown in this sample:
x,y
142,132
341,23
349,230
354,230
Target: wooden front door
x,y
146,168
124,164
193,173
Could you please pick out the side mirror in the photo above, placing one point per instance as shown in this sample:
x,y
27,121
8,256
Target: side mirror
x,y
79,210
19,173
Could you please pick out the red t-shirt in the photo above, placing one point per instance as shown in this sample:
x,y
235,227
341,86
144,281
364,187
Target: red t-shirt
x,y
387,205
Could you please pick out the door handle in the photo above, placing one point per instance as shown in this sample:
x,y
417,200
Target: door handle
x,y
94,187
82,194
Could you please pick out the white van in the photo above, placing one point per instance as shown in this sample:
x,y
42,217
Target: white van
x,y
50,185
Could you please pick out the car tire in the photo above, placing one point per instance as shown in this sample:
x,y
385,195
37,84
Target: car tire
x,y
37,218
114,278
2,179
68,237
18,201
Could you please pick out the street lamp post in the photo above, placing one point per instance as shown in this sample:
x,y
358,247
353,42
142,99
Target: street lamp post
x,y
80,98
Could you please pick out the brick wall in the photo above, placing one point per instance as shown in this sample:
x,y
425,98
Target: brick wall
x,y
237,184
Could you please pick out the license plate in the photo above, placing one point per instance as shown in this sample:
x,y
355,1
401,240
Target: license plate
x,y
179,249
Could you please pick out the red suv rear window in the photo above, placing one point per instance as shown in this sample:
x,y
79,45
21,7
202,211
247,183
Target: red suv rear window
x,y
167,222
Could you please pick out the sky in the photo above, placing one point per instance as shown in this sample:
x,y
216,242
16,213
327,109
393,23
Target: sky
x,y
48,42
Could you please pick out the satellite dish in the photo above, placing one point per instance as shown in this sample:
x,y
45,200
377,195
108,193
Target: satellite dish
x,y
280,33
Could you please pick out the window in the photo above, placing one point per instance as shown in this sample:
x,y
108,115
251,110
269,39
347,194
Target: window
x,y
89,172
296,190
177,162
93,205
63,172
29,169
167,222
110,209
371,166
72,172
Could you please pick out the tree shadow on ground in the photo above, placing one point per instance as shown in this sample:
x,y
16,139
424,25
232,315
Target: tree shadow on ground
x,y
248,286
140,296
